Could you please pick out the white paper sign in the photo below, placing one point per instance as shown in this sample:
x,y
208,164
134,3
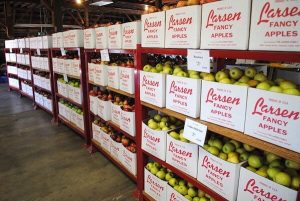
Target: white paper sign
x,y
195,131
198,60
66,78
104,55
21,50
38,51
63,52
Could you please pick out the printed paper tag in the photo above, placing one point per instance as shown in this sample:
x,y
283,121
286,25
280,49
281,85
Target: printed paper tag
x,y
10,49
38,51
198,60
195,131
66,78
21,50
63,52
104,55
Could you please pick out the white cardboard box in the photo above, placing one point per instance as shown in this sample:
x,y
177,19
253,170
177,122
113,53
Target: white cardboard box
x,y
96,133
79,121
27,43
89,38
154,186
153,88
225,25
101,74
153,29
54,64
60,39
73,117
93,104
183,95
127,122
131,34
101,38
115,36
183,27
68,112
104,109
60,65
67,66
47,42
54,40
254,187
275,25
91,71
69,91
75,67
128,160
113,76
45,63
182,155
154,142
224,104
77,95
116,113
273,117
105,140
73,38
218,175
116,149
173,195
126,76
39,42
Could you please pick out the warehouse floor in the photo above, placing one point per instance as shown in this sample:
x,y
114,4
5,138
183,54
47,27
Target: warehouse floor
x,y
39,161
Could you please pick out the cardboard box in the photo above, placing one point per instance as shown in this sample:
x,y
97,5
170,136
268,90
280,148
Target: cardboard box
x,y
255,187
275,25
77,95
154,186
79,121
39,42
218,175
33,42
96,133
131,34
67,66
91,71
47,42
104,109
127,122
183,27
45,63
101,74
73,38
128,160
173,195
27,59
273,117
153,29
27,43
75,67
93,104
126,76
105,141
55,64
182,155
101,38
12,70
69,92
154,142
153,88
113,76
116,113
116,150
225,25
54,40
60,65
89,38
68,112
224,104
73,117
60,39
183,95
115,36
21,42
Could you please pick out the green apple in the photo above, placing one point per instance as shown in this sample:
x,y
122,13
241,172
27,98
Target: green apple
x,y
149,166
193,72
233,159
192,192
260,77
250,72
287,85
203,74
173,182
184,140
220,75
283,179
205,147
172,120
176,70
244,79
167,71
294,92
228,147
217,143
156,164
296,183
196,199
292,164
165,128
209,77
164,119
252,169
235,73
291,172
161,174
248,147
194,76
243,84
236,143
176,187
153,70
276,89
263,86
190,185
182,182
233,154
255,161
159,67
223,156
279,80
262,173
276,163
272,172
271,157
181,131
182,190
174,135
244,156
172,126
204,199
182,74
225,81
154,170
240,150
210,141
153,125
150,121
158,129
188,197
169,176
213,150
157,118
200,193
163,124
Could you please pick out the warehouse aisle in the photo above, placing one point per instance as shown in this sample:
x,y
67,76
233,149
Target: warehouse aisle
x,y
39,161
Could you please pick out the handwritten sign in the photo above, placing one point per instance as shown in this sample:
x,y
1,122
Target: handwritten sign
x,y
66,78
198,60
104,55
38,51
63,52
195,131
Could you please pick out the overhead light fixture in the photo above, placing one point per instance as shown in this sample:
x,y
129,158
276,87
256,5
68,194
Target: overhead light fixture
x,y
146,7
79,1
102,3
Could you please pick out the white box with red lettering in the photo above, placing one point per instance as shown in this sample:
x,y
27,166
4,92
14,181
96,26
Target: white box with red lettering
x,y
131,35
153,88
73,116
126,76
93,104
255,187
104,109
79,121
47,42
105,141
113,77
153,29
75,70
101,74
96,133
89,38
115,113
183,95
68,66
128,160
54,64
60,65
224,104
115,36
116,149
101,38
273,117
68,112
183,27
40,42
218,175
60,39
173,195
275,25
77,95
91,71
154,186
127,122
225,25
182,155
73,38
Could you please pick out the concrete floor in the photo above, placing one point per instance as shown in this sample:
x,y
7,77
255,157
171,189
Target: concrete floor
x,y
42,162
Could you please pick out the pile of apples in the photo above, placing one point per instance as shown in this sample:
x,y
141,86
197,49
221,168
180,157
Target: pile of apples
x,y
98,122
128,144
181,186
179,136
74,83
251,78
128,105
163,123
71,106
275,168
227,149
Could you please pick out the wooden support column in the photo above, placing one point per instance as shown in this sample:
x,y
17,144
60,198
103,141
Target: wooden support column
x,y
86,15
9,19
57,16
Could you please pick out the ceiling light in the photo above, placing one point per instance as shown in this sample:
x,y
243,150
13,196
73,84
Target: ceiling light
x,y
146,7
79,1
102,3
